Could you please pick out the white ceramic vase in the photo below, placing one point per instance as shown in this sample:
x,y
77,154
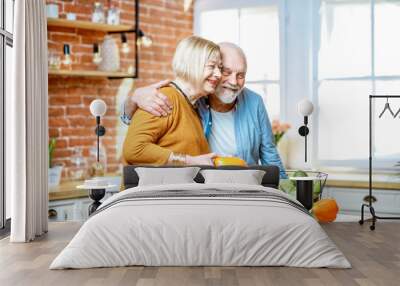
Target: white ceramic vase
x,y
110,55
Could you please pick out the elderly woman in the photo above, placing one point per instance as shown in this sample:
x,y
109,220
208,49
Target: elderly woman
x,y
178,138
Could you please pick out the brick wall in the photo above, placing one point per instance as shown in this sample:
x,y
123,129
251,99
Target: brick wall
x,y
69,118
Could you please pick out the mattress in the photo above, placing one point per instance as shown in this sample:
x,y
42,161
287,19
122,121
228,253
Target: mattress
x,y
201,225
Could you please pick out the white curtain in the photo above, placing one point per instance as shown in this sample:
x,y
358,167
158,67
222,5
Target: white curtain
x,y
27,125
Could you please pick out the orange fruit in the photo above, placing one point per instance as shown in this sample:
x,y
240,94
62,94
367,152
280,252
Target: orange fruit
x,y
325,210
229,161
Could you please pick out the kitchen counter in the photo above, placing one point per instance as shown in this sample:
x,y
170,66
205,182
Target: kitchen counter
x,y
363,184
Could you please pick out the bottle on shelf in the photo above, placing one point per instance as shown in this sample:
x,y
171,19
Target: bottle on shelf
x,y
98,13
113,15
54,60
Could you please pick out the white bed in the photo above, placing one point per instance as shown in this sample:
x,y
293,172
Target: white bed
x,y
257,226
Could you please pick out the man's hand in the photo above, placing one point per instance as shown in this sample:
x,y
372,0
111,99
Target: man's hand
x,y
150,99
206,159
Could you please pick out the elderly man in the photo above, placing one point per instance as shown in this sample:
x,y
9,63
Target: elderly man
x,y
234,119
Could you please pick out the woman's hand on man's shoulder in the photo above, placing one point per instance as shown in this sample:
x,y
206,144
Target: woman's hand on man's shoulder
x,y
150,99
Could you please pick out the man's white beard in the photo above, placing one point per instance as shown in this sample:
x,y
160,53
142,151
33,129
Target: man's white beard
x,y
226,96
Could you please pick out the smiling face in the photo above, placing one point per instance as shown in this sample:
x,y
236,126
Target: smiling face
x,y
212,74
233,73
197,66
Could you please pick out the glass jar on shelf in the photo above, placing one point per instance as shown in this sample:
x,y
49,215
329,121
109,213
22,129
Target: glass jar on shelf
x,y
78,165
98,15
54,61
113,16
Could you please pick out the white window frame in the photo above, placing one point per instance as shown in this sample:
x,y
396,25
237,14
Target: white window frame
x,y
6,39
380,165
212,5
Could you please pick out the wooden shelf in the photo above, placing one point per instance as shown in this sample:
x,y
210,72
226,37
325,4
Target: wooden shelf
x,y
55,22
85,73
87,25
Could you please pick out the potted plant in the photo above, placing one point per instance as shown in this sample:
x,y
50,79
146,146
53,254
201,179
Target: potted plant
x,y
54,175
289,186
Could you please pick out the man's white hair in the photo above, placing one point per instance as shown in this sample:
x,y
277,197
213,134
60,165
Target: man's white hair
x,y
233,47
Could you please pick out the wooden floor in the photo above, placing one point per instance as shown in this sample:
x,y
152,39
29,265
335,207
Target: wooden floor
x,y
375,257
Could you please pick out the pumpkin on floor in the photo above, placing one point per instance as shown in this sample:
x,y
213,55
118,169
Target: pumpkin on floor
x,y
325,210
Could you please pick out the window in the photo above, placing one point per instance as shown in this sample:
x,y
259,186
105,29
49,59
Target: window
x,y
358,56
256,29
6,43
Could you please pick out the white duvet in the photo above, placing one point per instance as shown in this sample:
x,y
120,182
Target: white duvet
x,y
183,231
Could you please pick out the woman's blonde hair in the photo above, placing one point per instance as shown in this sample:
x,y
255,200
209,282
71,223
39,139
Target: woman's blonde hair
x,y
191,56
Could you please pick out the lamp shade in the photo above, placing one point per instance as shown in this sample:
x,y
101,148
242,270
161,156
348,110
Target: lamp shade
x,y
305,107
98,107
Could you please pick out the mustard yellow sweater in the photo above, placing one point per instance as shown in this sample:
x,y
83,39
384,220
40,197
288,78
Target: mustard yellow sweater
x,y
151,139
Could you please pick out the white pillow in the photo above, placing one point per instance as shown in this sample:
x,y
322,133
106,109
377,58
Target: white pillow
x,y
166,176
248,177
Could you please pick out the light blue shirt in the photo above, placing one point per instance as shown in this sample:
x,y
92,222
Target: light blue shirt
x,y
222,138
253,131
